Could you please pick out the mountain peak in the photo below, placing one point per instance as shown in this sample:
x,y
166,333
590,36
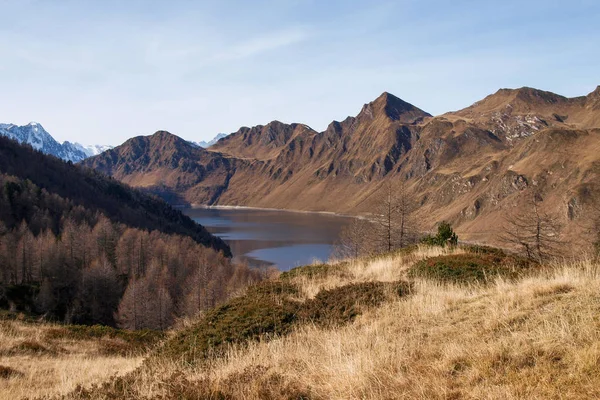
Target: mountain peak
x,y
529,95
165,137
35,126
595,93
393,108
37,137
162,134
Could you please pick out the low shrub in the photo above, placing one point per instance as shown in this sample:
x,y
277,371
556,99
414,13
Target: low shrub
x,y
8,372
269,309
481,249
342,304
31,347
268,385
111,341
84,332
266,309
315,271
470,268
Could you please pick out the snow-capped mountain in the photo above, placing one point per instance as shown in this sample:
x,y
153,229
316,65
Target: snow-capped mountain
x,y
37,137
89,150
210,142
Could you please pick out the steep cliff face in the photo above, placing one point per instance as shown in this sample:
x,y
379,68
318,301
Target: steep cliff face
x,y
469,166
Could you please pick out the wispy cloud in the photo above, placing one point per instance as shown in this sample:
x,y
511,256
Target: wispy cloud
x,y
114,68
262,44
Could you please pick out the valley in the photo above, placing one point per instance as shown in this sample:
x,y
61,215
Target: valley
x,y
153,302
471,167
299,200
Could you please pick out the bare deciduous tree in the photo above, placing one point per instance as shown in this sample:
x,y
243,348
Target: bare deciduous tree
x,y
355,240
395,227
98,294
391,227
46,299
535,232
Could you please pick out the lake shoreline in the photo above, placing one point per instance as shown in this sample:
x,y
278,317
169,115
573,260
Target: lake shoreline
x,y
219,207
281,238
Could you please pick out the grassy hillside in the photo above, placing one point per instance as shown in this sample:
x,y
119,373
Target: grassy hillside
x,y
377,329
43,360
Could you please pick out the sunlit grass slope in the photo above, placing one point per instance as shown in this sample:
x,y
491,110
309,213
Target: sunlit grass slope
x,y
380,328
41,360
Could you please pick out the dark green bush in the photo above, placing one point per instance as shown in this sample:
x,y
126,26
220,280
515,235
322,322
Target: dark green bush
x,y
266,309
468,268
270,309
341,305
19,297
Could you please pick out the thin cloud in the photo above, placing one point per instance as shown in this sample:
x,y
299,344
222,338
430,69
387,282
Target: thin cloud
x,y
256,46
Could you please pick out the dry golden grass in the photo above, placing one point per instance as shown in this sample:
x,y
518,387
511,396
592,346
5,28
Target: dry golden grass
x,y
388,268
537,338
45,367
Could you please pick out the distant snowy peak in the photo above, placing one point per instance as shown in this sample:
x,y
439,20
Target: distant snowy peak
x,y
210,142
36,136
71,152
33,134
96,149
90,150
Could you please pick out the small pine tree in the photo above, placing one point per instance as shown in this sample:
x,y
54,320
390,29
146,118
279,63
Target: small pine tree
x,y
445,236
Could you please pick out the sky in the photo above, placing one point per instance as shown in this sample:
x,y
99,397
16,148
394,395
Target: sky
x,y
100,72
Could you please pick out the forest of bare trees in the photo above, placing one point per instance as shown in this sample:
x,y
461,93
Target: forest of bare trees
x,y
114,275
78,247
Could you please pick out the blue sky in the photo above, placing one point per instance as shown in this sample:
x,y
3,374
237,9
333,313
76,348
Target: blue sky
x,y
99,72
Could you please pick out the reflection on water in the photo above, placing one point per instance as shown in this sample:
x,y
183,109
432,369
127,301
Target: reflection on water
x,y
280,238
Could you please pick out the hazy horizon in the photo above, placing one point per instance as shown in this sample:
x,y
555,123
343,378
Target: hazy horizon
x,y
100,73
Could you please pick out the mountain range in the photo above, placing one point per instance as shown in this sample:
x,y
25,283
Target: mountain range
x,y
37,137
471,166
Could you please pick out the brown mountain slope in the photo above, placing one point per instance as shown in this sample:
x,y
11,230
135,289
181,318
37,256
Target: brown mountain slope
x,y
261,142
64,191
469,166
169,166
517,113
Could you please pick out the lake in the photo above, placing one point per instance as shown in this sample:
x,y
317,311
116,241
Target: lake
x,y
283,239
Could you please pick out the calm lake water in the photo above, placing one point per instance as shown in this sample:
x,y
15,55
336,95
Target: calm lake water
x,y
282,239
